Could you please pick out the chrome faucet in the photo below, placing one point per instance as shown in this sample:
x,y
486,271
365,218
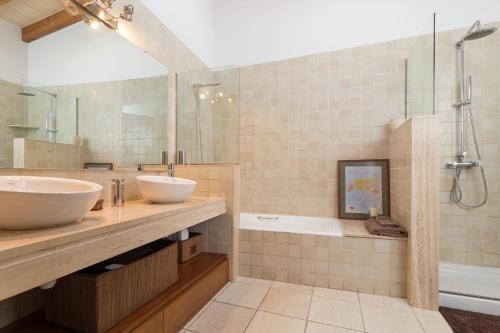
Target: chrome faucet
x,y
171,170
117,192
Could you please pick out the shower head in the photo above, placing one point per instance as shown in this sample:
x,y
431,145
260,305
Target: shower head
x,y
475,32
205,85
480,33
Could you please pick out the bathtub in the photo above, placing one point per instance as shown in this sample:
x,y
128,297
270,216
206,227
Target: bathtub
x,y
324,226
471,288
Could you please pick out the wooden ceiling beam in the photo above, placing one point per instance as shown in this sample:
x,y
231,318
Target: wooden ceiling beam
x,y
48,25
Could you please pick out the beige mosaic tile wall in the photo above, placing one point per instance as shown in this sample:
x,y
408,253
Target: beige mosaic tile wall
x,y
11,112
375,266
122,122
221,233
470,236
34,154
300,116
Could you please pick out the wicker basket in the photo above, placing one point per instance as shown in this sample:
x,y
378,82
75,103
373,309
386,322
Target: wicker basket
x,y
95,299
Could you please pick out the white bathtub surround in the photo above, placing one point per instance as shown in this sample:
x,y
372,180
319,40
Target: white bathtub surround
x,y
288,223
471,288
308,251
414,158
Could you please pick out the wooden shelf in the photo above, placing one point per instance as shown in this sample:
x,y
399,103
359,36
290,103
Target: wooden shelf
x,y
190,275
26,127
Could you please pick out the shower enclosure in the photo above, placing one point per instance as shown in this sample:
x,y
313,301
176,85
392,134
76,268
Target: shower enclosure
x,y
41,113
208,115
467,99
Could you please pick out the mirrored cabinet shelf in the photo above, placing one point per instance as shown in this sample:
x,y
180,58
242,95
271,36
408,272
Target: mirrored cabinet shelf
x,y
24,127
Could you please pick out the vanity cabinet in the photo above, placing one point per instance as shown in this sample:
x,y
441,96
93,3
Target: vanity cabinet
x,y
152,325
199,281
104,297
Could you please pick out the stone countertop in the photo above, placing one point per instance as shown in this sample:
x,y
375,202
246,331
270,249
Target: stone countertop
x,y
15,243
30,258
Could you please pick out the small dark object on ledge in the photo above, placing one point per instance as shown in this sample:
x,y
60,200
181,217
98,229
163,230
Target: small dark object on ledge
x,y
386,221
389,229
98,205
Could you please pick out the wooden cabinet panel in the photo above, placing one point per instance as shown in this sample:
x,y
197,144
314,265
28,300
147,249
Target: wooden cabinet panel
x,y
152,325
179,312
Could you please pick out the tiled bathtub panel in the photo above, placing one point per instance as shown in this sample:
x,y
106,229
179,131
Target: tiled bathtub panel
x,y
375,266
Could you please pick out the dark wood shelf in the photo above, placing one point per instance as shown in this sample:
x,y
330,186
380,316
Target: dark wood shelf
x,y
190,273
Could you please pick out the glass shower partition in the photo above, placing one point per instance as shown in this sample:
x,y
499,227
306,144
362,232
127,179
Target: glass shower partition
x,y
421,73
208,115
41,114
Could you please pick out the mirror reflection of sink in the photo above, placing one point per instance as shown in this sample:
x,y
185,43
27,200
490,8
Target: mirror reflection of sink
x,y
162,189
40,202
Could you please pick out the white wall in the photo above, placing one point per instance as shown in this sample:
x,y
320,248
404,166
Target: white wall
x,y
191,21
79,54
13,53
257,31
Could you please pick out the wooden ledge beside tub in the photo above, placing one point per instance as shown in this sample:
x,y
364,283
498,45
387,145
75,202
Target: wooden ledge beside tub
x,y
48,254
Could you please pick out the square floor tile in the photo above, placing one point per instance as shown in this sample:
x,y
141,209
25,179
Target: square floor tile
x,y
384,320
197,314
432,321
385,301
243,294
296,288
341,295
313,327
265,322
337,313
223,318
287,303
220,291
255,282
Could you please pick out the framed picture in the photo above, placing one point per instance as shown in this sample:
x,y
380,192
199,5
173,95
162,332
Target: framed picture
x,y
363,185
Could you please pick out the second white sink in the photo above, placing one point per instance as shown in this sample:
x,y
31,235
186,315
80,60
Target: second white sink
x,y
163,189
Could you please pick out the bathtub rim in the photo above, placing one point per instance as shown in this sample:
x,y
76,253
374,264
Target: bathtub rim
x,y
299,232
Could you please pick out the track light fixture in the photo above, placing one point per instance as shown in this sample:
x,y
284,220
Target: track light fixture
x,y
98,12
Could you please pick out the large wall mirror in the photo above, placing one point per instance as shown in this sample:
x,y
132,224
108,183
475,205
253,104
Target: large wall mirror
x,y
79,98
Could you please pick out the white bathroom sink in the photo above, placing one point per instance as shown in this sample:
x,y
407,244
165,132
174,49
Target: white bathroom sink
x,y
163,189
40,202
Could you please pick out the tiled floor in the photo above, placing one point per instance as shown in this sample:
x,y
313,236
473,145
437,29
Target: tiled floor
x,y
260,306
